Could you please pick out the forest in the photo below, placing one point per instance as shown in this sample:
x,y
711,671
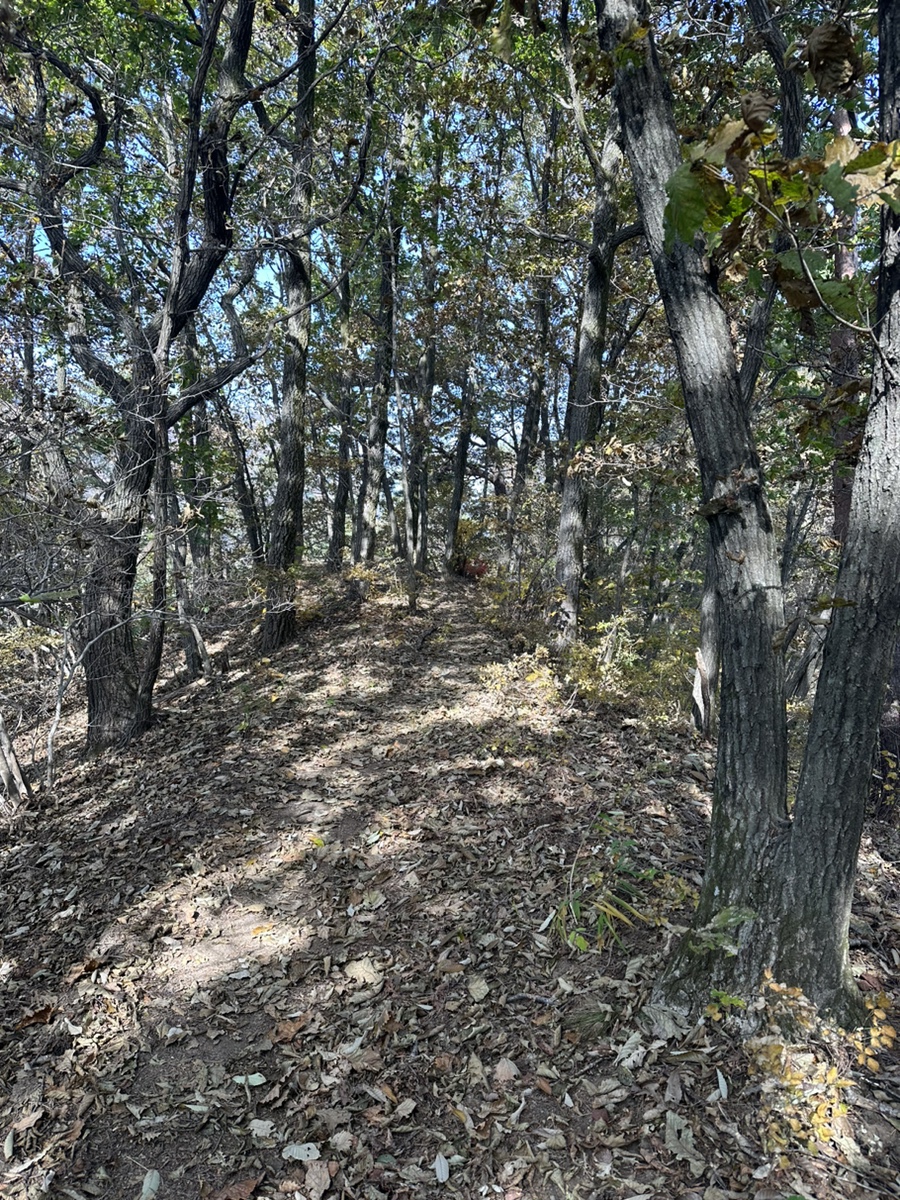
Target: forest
x,y
439,422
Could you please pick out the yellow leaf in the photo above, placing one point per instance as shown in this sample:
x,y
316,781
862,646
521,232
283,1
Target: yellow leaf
x,y
843,150
723,138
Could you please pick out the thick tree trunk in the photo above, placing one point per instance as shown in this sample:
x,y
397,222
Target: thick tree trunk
x,y
749,806
792,125
117,709
845,371
153,647
118,704
778,890
820,856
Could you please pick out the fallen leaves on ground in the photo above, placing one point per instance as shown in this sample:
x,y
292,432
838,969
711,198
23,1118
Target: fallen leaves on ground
x,y
317,935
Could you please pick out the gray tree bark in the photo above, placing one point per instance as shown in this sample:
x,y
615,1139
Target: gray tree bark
x,y
780,888
585,410
286,529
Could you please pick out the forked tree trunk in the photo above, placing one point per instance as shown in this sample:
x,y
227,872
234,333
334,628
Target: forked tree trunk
x,y
749,807
820,857
778,890
119,707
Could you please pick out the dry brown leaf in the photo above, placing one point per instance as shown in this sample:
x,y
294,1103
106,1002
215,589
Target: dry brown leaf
x,y
756,109
83,968
41,1017
27,1122
832,57
318,1180
286,1031
506,1070
240,1190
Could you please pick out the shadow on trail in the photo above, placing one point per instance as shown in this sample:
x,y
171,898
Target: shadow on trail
x,y
309,936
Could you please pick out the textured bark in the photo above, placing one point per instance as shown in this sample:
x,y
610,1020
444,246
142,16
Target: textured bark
x,y
820,856
792,125
779,889
844,356
338,538
460,461
585,410
749,805
286,529
153,647
118,706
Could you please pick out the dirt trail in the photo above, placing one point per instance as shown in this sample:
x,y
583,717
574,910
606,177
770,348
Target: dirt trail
x,y
301,939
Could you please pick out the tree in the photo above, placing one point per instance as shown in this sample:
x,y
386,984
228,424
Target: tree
x,y
121,331
778,886
286,535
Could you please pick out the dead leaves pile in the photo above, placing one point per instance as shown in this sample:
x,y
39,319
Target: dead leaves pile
x,y
304,941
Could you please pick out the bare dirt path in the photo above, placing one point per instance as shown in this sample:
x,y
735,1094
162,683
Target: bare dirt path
x,y
308,938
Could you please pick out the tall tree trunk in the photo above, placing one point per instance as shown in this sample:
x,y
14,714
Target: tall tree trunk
x,y
792,125
750,805
119,698
779,890
338,538
845,370
117,708
242,484
460,461
376,439
537,374
286,530
820,856
26,445
586,403
153,648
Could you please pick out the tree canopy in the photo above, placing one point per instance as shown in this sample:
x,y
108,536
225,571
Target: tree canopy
x,y
597,302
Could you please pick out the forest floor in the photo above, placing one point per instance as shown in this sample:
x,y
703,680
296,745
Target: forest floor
x,y
308,937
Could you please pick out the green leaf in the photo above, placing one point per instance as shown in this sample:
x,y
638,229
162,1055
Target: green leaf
x,y
837,187
840,295
814,261
686,209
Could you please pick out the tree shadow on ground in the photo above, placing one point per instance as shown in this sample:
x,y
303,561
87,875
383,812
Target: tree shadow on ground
x,y
310,935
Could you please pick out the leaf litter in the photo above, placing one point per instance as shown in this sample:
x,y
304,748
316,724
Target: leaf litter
x,y
322,934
